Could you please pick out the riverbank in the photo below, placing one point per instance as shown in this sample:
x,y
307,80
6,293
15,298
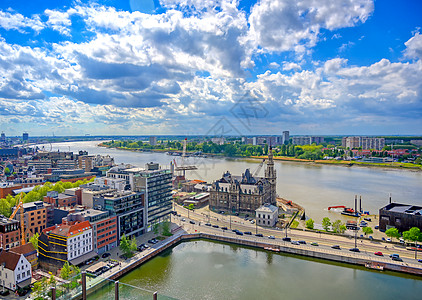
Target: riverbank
x,y
343,163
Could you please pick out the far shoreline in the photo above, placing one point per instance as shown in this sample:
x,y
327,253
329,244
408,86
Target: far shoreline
x,y
342,163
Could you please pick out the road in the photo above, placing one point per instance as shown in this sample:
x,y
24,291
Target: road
x,y
325,241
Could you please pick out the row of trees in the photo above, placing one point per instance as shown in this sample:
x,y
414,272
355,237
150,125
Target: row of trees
x,y
37,194
337,226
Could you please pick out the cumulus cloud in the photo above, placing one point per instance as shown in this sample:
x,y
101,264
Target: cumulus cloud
x,y
16,21
282,25
414,47
59,21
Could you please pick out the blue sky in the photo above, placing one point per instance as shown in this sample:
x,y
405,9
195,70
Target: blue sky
x,y
210,67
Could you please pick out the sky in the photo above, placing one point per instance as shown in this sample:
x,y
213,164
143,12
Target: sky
x,y
212,67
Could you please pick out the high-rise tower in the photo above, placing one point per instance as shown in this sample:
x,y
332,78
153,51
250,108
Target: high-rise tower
x,y
270,175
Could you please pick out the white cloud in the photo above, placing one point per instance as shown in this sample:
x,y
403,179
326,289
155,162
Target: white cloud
x,y
59,21
288,66
282,25
414,46
19,22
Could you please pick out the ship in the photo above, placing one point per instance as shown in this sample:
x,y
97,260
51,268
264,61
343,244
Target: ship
x,y
346,211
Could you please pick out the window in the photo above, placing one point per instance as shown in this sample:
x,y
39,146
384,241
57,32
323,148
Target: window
x,y
28,273
19,276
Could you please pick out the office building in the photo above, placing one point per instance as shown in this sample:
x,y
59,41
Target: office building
x,y
9,233
286,137
153,140
35,217
25,137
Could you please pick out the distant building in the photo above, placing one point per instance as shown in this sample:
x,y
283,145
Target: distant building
x,y
307,140
15,270
401,216
353,142
267,215
244,194
416,142
218,140
153,140
25,136
3,138
286,137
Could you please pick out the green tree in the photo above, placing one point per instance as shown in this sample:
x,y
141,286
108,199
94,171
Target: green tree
x,y
52,280
191,206
310,224
6,171
342,228
326,223
34,240
393,233
166,228
336,226
156,228
367,230
126,246
65,272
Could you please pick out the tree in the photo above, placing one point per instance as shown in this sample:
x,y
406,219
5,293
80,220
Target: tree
x,y
367,230
6,171
52,280
125,246
156,228
342,228
166,228
310,224
65,271
336,225
191,206
34,240
413,234
326,223
393,233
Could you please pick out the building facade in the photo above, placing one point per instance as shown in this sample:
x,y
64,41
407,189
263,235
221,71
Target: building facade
x,y
401,216
9,233
267,215
367,143
35,217
286,137
307,140
246,193
15,270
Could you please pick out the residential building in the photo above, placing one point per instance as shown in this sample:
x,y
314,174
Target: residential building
x,y
85,162
416,142
153,140
246,193
58,200
128,207
218,140
92,191
353,142
156,183
41,166
286,137
114,183
7,188
267,215
69,241
307,140
9,233
35,217
25,137
104,228
29,252
401,216
15,270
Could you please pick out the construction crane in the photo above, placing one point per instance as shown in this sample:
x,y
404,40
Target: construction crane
x,y
256,172
20,206
183,168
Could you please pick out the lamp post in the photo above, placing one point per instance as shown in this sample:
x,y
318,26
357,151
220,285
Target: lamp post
x,y
230,221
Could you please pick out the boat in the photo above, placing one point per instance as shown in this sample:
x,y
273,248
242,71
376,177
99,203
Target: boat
x,y
350,212
374,266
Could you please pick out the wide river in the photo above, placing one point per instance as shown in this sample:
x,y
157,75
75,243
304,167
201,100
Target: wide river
x,y
315,187
208,270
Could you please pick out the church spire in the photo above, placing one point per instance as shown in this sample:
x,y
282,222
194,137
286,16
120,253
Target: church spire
x,y
270,175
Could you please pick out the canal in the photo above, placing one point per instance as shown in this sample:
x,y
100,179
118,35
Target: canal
x,y
313,186
211,270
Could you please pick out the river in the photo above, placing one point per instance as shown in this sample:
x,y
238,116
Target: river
x,y
210,270
314,186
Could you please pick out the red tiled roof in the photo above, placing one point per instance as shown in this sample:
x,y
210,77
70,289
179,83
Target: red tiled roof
x,y
23,249
9,259
69,230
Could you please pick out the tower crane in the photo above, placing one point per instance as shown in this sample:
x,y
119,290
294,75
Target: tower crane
x,y
20,206
256,172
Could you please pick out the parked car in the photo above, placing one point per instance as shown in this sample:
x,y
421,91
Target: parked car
x,y
314,244
354,249
371,238
271,237
383,239
295,243
224,228
376,227
367,219
336,247
388,240
302,242
248,232
259,235
252,221
379,253
183,219
215,226
192,222
286,239
246,215
419,260
235,230
105,255
239,233
207,224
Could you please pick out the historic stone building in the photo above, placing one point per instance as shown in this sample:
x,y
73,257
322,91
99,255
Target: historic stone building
x,y
244,194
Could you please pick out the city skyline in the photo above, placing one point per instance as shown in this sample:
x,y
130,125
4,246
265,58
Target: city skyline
x,y
190,67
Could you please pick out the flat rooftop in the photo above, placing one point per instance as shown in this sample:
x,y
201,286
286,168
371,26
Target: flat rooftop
x,y
404,208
